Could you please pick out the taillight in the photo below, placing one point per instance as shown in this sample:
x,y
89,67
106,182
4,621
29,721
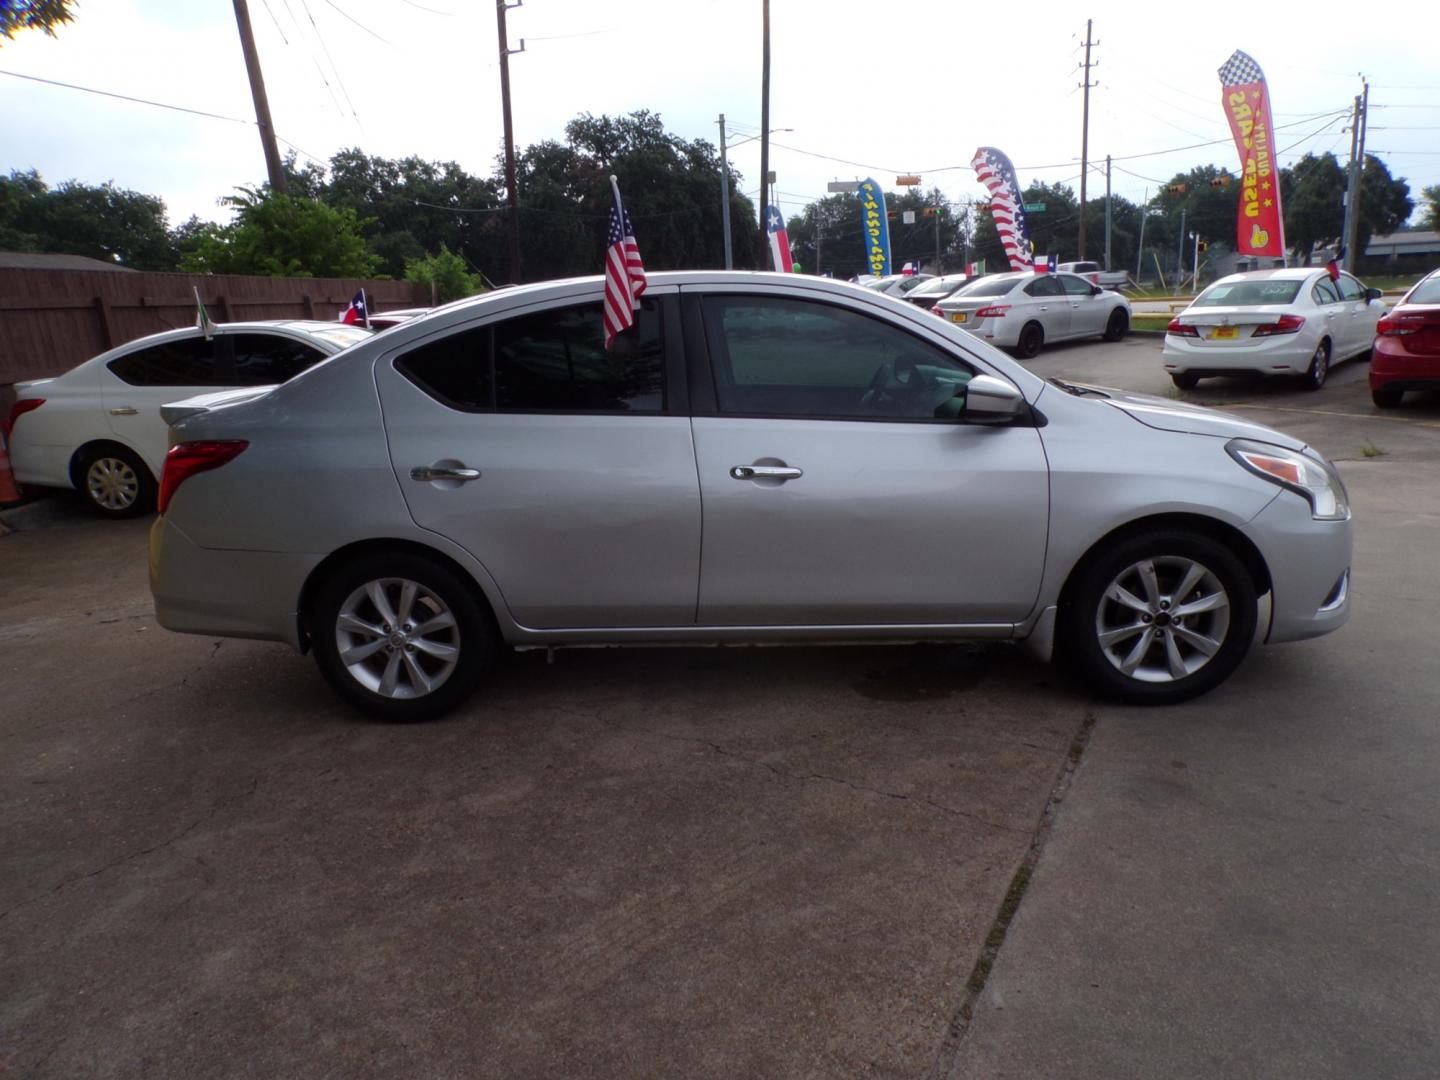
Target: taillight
x,y
1397,324
994,311
1286,324
935,310
1180,329
188,458
20,408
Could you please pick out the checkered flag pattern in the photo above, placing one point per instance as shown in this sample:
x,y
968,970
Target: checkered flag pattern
x,y
1240,69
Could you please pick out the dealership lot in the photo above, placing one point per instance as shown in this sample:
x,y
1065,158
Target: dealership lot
x,y
727,862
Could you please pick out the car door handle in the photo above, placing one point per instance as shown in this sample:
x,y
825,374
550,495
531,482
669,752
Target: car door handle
x,y
766,472
427,473
122,410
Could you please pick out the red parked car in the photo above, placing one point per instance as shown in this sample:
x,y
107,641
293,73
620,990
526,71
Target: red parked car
x,y
1407,345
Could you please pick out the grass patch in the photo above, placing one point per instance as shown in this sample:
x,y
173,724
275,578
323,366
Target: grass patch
x,y
1371,450
1149,320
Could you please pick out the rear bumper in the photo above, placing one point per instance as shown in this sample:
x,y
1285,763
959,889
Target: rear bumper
x,y
1395,367
1282,354
244,594
47,466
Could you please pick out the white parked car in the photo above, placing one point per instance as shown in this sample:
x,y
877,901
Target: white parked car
x,y
894,284
1295,321
1023,310
98,428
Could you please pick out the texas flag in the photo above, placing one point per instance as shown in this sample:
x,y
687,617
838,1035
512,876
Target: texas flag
x,y
1046,264
910,268
357,312
779,241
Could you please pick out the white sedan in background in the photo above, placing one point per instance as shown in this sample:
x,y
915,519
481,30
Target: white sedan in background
x,y
1023,311
1296,321
97,428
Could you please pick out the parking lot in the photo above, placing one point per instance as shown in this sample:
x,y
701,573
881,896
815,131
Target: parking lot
x,y
730,862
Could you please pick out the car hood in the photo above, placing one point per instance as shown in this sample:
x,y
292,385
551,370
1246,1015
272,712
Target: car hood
x,y
1167,415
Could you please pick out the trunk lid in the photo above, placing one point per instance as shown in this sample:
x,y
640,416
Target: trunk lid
x,y
1228,327
175,411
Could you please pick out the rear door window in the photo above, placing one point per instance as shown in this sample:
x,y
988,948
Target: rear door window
x,y
1325,292
185,362
263,359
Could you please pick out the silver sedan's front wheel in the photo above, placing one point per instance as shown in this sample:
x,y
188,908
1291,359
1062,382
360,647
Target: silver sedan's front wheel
x,y
400,636
1159,617
1162,619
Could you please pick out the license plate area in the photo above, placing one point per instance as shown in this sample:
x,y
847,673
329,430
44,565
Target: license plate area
x,y
1223,333
959,317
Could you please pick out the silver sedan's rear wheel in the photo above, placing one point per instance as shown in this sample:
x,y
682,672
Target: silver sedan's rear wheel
x,y
1160,617
400,636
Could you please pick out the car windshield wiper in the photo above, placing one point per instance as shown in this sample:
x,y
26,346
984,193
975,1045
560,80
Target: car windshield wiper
x,y
1077,390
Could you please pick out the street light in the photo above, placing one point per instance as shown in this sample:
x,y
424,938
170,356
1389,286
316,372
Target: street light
x,y
725,187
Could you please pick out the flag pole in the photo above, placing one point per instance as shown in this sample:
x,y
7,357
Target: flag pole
x,y
615,187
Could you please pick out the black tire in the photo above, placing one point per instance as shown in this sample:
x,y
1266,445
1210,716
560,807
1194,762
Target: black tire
x,y
114,482
1319,370
1387,397
1160,675
399,646
1032,337
1184,380
1117,325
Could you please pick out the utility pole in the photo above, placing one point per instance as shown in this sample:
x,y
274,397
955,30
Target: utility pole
x,y
1357,169
262,103
764,123
939,269
1107,211
512,197
725,196
1140,253
1085,135
1180,255
1195,274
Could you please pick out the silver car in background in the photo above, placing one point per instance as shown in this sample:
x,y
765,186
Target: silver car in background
x,y
1024,311
850,467
1297,321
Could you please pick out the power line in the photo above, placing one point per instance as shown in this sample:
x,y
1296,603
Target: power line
x,y
305,7
127,97
358,23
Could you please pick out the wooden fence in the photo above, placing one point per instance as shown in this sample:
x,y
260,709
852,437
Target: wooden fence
x,y
51,320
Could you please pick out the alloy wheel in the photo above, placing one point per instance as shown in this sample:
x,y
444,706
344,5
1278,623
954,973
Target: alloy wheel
x,y
397,638
1162,619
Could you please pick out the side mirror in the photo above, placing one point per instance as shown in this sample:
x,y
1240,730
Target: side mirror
x,y
1372,294
989,400
1096,290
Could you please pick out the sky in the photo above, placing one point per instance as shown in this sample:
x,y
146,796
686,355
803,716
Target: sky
x,y
857,89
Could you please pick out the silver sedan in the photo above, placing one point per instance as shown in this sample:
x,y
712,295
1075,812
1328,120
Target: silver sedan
x,y
761,458
1025,311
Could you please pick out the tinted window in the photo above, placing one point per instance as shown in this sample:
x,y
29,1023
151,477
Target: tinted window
x,y
1075,286
261,359
939,285
995,286
454,369
1249,293
777,357
1350,289
188,362
1325,292
1044,286
557,360
1427,292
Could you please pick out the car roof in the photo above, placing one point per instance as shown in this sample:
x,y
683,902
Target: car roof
x,y
1280,273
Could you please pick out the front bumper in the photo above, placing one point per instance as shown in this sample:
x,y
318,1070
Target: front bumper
x,y
244,594
1309,564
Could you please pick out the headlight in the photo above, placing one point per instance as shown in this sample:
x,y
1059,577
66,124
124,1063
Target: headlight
x,y
1311,477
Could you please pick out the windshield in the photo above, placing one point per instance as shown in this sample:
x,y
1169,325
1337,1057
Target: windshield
x,y
994,286
1249,293
1427,292
939,285
911,282
876,282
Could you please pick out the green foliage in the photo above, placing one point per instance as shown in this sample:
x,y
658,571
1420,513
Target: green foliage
x,y
282,236
105,222
1431,195
446,275
1314,190
44,15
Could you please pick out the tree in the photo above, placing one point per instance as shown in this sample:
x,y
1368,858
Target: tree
x,y
106,223
43,15
1431,195
446,275
282,236
1313,190
1385,202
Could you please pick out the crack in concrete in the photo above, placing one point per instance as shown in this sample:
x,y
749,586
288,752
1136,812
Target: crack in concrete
x,y
220,804
959,1024
784,775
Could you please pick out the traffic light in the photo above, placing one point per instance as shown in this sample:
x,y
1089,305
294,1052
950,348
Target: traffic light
x,y
1223,180
1178,189
1202,245
929,212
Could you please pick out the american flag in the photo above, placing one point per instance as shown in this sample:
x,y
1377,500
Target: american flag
x,y
624,272
993,169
